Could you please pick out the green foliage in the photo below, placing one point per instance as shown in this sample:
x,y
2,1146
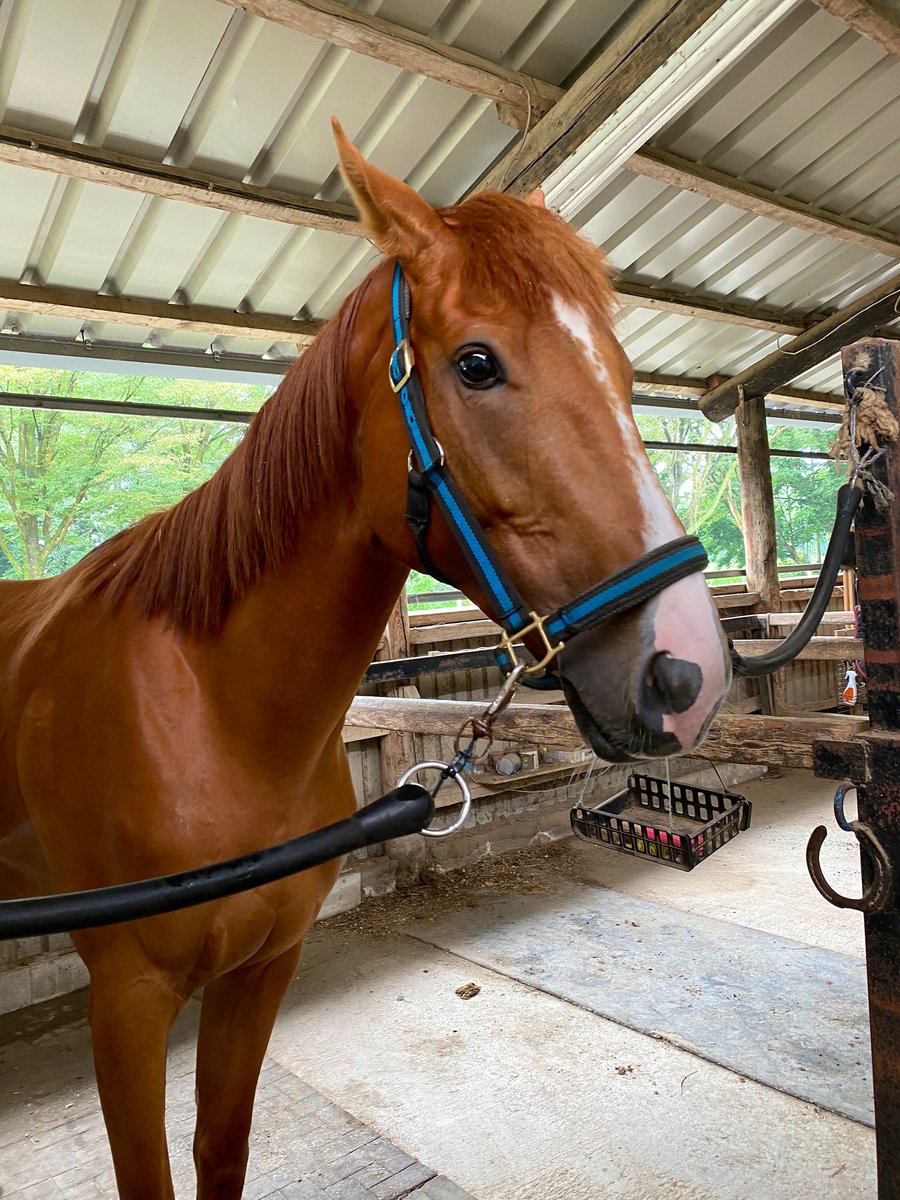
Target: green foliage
x,y
69,480
704,488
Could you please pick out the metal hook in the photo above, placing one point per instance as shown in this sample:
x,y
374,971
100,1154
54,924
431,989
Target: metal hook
x,y
875,896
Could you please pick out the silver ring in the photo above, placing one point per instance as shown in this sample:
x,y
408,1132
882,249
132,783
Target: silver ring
x,y
460,783
410,465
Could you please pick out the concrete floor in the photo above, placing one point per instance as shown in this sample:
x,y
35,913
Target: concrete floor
x,y
516,1094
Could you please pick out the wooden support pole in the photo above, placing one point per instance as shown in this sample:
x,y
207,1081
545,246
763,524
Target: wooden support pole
x,y
757,504
878,567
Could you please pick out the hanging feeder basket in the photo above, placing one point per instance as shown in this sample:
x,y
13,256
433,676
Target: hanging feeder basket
x,y
637,821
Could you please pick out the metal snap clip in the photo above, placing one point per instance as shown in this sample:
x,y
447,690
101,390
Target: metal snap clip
x,y
460,783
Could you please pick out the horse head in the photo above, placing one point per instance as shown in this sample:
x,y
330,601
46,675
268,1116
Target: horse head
x,y
528,393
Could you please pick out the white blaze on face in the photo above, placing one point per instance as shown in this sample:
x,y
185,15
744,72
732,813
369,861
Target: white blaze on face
x,y
686,624
659,522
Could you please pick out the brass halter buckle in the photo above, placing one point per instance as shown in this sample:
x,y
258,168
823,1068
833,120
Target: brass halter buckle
x,y
403,353
536,626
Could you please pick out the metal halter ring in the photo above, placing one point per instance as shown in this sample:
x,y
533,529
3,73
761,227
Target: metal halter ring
x,y
410,465
460,783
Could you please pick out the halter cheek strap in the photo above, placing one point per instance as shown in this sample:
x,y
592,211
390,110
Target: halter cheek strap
x,y
428,477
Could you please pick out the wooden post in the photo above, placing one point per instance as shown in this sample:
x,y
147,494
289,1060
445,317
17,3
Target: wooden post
x,y
757,504
872,759
397,752
878,567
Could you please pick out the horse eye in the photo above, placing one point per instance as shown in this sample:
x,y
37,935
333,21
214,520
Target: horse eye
x,y
478,368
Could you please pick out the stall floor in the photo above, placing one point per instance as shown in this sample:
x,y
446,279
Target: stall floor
x,y
568,1024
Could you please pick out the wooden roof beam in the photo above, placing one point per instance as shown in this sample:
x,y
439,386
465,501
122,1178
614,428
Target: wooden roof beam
x,y
152,314
870,20
519,98
22,148
662,58
812,347
648,39
708,308
683,386
157,314
678,172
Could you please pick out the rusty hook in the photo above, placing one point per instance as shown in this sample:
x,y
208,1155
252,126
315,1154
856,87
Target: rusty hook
x,y
875,896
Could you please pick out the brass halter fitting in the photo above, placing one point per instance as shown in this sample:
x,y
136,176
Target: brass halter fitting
x,y
403,354
536,626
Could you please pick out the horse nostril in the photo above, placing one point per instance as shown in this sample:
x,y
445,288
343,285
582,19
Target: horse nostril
x,y
675,682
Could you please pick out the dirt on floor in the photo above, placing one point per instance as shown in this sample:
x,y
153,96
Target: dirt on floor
x,y
534,871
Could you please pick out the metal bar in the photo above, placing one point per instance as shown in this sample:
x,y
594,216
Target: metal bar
x,y
711,448
400,670
197,413
124,408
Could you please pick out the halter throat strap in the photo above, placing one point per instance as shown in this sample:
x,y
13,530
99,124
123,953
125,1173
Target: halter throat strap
x,y
428,477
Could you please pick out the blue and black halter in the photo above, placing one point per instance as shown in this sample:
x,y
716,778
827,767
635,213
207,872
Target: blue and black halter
x,y
646,577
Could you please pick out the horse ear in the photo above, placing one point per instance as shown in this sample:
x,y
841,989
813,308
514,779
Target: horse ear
x,y
536,199
396,218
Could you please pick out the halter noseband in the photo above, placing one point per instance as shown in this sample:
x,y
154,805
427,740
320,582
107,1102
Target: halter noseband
x,y
646,577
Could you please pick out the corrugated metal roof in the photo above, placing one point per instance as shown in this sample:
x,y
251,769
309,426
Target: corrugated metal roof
x,y
811,111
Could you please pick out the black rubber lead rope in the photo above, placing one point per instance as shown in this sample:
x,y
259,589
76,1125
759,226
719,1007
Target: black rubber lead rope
x,y
848,499
403,811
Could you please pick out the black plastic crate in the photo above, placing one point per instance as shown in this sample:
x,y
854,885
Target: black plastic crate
x,y
636,821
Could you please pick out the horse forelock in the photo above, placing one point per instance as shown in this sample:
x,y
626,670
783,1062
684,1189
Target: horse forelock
x,y
524,254
189,563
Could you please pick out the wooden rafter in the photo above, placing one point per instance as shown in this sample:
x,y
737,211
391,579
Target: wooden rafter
x,y
683,386
716,185
518,97
157,314
812,347
645,43
870,20
23,148
153,314
727,312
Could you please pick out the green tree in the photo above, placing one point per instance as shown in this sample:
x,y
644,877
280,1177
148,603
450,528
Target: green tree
x,y
70,480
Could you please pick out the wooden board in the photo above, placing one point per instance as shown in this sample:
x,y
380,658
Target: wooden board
x,y
775,741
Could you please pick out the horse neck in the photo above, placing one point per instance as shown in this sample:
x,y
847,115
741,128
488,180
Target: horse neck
x,y
296,644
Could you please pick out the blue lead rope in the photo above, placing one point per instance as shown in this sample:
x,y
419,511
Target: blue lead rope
x,y
646,577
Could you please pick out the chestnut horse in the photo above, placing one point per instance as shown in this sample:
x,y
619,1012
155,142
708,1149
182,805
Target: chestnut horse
x,y
177,696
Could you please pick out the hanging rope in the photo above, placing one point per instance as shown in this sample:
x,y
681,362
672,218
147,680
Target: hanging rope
x,y
867,422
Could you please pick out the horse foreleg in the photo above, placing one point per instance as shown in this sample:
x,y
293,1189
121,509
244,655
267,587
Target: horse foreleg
x,y
236,1020
130,1020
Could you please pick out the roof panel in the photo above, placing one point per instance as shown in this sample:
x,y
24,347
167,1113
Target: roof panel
x,y
812,111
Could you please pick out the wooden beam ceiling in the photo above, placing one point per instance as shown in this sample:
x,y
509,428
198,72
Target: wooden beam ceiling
x,y
812,347
270,327
22,148
152,314
716,185
520,98
682,386
870,20
724,311
646,42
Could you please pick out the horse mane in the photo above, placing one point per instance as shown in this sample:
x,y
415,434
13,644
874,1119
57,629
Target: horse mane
x,y
190,562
